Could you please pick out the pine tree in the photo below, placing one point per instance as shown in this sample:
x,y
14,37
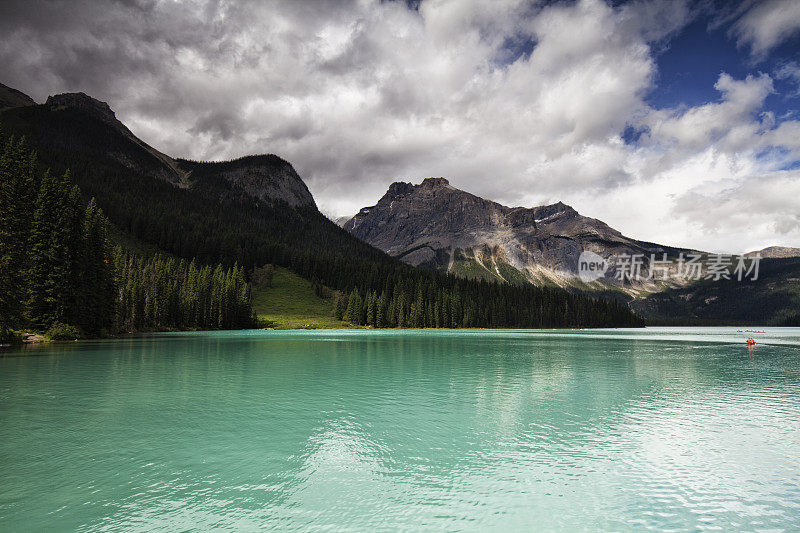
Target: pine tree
x,y
417,318
381,310
340,305
372,307
354,307
391,313
95,282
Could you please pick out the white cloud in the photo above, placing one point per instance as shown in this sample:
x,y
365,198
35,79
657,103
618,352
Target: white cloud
x,y
720,123
767,24
790,71
358,94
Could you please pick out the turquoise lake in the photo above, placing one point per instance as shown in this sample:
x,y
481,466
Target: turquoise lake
x,y
679,429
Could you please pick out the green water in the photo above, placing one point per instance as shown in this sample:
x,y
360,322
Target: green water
x,y
679,429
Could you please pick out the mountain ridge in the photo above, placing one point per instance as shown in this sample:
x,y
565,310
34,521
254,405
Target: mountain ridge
x,y
264,177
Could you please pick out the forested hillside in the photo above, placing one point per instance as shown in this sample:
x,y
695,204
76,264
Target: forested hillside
x,y
59,273
194,220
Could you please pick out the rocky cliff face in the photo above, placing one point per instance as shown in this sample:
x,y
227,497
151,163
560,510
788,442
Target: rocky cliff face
x,y
264,177
435,225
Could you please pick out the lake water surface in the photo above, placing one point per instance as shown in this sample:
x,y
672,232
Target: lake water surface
x,y
675,428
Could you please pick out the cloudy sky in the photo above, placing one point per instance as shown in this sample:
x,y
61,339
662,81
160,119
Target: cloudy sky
x,y
674,121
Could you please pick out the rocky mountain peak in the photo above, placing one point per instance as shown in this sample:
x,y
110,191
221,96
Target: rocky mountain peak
x,y
399,188
548,212
83,102
436,225
94,108
434,183
776,252
266,177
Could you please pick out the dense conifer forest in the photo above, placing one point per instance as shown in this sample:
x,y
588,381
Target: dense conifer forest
x,y
163,292
205,227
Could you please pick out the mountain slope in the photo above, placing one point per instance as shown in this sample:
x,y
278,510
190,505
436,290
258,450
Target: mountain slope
x,y
13,98
290,302
75,126
264,177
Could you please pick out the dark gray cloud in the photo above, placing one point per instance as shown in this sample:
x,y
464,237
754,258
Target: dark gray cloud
x,y
522,102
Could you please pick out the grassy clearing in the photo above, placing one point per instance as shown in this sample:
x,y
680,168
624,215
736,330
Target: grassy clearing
x,y
291,304
511,274
471,269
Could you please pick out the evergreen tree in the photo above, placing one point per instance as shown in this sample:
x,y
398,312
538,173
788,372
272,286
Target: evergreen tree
x,y
417,318
381,311
372,307
354,307
339,305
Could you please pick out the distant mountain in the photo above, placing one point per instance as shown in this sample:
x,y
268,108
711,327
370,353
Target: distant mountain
x,y
776,252
341,221
435,225
772,299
